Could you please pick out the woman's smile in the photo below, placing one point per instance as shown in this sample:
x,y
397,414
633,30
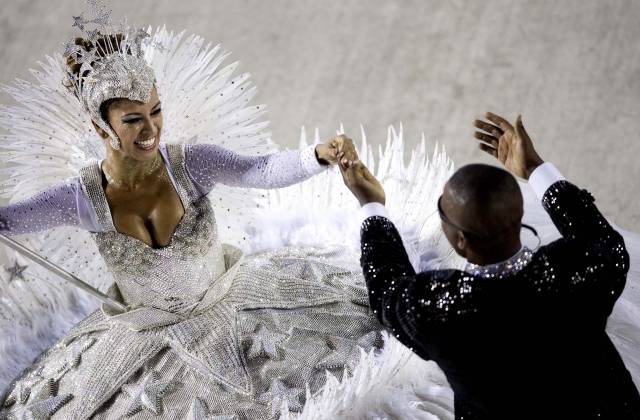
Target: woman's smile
x,y
146,145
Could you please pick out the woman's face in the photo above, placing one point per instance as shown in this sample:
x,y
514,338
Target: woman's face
x,y
138,125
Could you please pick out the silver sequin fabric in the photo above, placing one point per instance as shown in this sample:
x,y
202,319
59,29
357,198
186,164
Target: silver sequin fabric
x,y
210,332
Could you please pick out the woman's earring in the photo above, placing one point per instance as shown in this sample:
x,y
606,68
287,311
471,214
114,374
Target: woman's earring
x,y
115,143
114,140
107,131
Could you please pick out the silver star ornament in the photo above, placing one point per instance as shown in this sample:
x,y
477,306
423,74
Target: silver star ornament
x,y
279,394
148,394
16,271
264,342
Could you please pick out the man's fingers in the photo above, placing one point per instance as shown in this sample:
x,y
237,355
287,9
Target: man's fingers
x,y
359,172
343,163
363,170
499,121
489,128
368,177
349,167
342,142
349,153
520,131
493,141
349,149
347,174
356,166
486,148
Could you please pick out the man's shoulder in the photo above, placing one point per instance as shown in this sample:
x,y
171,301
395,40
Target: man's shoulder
x,y
562,252
571,266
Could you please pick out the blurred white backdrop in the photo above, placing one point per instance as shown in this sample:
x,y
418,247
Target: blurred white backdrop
x,y
572,68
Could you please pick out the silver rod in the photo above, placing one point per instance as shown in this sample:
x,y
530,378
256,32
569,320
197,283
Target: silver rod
x,y
21,249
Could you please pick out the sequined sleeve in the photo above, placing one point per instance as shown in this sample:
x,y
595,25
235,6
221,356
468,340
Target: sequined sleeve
x,y
581,224
60,205
404,302
209,164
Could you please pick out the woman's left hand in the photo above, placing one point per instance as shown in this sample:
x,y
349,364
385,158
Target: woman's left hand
x,y
340,148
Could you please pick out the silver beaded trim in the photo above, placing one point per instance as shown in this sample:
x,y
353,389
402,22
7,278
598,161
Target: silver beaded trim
x,y
187,191
91,180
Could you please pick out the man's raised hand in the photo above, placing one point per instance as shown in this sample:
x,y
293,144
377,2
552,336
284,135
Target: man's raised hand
x,y
364,186
510,145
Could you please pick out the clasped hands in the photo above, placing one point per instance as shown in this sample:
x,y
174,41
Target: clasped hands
x,y
357,178
508,143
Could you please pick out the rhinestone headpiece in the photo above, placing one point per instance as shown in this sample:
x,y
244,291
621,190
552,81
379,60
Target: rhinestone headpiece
x,y
114,68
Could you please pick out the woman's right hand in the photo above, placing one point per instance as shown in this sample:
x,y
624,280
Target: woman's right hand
x,y
339,149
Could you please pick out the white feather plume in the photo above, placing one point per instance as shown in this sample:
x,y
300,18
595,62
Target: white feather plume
x,y
49,138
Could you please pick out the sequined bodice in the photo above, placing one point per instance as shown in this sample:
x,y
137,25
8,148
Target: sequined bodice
x,y
173,278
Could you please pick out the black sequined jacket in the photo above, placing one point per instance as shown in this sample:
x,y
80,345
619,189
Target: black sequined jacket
x,y
529,345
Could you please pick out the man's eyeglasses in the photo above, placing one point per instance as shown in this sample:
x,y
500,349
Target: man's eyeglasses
x,y
446,220
470,233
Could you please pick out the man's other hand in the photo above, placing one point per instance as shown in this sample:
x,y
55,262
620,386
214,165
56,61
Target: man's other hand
x,y
510,145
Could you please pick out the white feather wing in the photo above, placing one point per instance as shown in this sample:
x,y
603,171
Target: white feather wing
x,y
48,138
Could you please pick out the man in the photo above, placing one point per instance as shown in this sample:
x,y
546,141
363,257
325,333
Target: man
x,y
519,334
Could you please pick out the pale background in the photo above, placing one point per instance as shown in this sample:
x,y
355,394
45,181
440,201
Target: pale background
x,y
572,68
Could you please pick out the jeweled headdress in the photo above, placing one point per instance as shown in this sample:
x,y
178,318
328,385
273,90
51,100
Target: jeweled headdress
x,y
113,66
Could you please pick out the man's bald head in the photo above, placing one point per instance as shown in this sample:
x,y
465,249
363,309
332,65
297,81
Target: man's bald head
x,y
485,200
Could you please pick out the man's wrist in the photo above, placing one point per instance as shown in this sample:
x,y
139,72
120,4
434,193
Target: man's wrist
x,y
543,177
372,201
373,208
532,166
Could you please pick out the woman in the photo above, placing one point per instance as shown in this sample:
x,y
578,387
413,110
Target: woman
x,y
207,331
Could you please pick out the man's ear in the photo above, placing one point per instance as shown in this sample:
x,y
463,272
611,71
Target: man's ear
x,y
461,242
100,131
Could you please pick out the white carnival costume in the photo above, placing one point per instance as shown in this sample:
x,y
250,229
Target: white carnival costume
x,y
276,326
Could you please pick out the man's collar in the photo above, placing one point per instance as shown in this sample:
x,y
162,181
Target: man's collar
x,y
504,268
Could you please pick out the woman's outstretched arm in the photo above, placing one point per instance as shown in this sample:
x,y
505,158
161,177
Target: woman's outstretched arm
x,y
210,164
64,204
